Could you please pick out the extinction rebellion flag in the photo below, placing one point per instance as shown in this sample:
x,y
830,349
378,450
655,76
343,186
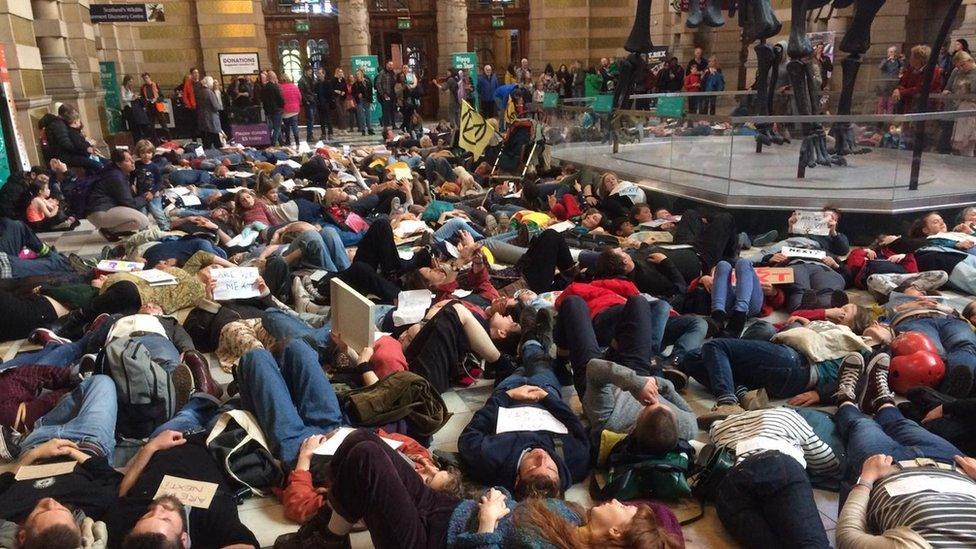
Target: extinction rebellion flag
x,y
476,134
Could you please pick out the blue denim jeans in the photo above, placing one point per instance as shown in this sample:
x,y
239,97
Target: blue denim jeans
x,y
201,411
310,121
725,363
274,128
51,263
181,250
86,416
451,227
364,113
155,208
536,370
767,501
889,433
322,250
284,327
745,297
289,128
686,333
53,354
182,178
291,403
162,350
953,337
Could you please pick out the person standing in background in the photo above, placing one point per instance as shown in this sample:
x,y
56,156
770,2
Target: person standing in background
x,y
890,70
362,93
293,104
325,102
306,85
273,104
386,93
155,107
487,84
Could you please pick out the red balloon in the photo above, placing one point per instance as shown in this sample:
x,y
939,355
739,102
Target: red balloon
x,y
913,370
910,342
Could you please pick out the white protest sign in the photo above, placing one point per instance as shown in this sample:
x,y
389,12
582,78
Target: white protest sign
x,y
199,152
192,493
811,222
352,316
528,418
411,307
329,447
235,283
803,253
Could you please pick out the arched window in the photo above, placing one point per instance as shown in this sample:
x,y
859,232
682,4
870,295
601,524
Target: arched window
x,y
318,53
290,56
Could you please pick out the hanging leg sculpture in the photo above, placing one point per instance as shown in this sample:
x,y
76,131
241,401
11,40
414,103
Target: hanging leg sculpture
x,y
856,42
633,67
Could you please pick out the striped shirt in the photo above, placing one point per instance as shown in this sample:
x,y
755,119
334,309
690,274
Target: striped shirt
x,y
942,519
781,424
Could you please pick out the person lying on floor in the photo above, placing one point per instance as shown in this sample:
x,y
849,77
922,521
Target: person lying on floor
x,y
529,463
936,506
140,519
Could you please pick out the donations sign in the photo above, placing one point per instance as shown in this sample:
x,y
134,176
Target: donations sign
x,y
239,63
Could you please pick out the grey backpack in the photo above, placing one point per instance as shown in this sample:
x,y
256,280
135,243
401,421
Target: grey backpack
x,y
146,394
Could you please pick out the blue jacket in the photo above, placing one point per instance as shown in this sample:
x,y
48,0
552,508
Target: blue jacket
x,y
487,86
493,458
502,93
713,82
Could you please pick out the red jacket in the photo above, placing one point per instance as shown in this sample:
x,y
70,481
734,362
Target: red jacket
x,y
302,499
858,260
692,83
567,208
189,97
600,295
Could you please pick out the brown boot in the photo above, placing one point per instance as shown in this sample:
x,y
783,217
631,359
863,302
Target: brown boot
x,y
755,400
200,368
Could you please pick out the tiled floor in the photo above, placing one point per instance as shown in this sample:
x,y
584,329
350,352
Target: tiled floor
x,y
265,516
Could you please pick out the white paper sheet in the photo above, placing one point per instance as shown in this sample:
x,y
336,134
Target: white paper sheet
x,y
805,253
528,418
411,307
925,483
242,175
235,283
329,447
156,277
289,162
811,222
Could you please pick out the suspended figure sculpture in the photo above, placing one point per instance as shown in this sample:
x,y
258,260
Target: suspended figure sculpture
x,y
758,22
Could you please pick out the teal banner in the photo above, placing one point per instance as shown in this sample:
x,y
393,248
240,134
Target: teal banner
x,y
113,101
670,107
468,61
603,103
371,68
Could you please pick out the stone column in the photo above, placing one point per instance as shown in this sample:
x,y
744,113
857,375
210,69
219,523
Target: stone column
x,y
559,32
452,31
26,72
353,30
60,71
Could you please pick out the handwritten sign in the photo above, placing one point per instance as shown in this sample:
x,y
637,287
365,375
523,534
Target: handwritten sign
x,y
192,493
772,275
808,222
31,472
803,253
115,266
411,307
528,418
235,283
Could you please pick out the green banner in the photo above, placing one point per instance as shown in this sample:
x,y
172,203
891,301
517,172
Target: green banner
x,y
469,62
371,68
670,107
550,100
113,103
4,161
603,103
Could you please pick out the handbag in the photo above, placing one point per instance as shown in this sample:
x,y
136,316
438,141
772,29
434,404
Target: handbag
x,y
711,466
238,445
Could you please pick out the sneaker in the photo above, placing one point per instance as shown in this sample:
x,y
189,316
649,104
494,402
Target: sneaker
x,y
9,443
848,377
876,390
503,221
43,336
81,265
718,413
765,239
302,301
87,365
756,399
544,324
958,383
99,321
491,225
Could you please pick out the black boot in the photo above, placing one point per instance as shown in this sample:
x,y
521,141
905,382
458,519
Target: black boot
x,y
72,325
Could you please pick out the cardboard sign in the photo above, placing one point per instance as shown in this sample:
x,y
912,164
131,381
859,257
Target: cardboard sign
x,y
235,283
803,253
772,275
352,316
116,266
811,223
192,493
30,472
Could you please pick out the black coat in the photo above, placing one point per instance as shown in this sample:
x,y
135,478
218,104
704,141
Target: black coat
x,y
112,189
271,98
63,139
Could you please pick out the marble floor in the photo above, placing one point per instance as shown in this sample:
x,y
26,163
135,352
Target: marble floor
x,y
265,516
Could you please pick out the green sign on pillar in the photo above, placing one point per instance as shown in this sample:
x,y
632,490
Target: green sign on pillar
x,y
301,25
497,21
371,68
403,23
113,103
469,62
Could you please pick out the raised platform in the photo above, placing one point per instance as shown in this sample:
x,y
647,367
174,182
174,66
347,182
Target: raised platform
x,y
726,171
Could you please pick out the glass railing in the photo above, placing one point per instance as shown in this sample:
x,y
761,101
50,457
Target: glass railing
x,y
709,148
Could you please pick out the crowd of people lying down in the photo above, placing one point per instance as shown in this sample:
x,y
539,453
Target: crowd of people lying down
x,y
589,307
